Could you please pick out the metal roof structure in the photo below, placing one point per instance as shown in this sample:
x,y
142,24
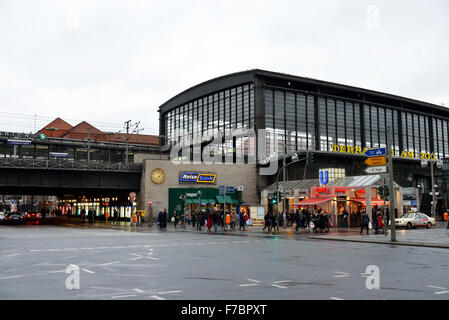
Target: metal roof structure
x,y
294,184
358,181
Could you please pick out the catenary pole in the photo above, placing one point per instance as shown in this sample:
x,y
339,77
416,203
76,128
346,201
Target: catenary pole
x,y
391,185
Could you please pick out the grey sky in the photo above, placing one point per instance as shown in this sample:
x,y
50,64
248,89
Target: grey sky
x,y
110,61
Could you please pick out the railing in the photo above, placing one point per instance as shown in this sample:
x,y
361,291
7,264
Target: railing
x,y
61,164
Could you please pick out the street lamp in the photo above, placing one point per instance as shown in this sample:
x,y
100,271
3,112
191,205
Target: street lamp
x,y
439,164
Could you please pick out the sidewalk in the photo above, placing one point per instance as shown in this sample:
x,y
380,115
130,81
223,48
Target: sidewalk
x,y
436,237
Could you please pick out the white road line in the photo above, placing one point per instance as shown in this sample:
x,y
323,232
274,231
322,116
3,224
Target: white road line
x,y
87,270
53,249
248,285
12,277
103,248
252,280
157,297
282,287
14,254
437,287
125,296
441,292
134,259
70,249
341,272
138,290
135,246
153,258
283,281
38,250
87,249
135,254
106,264
342,276
168,292
335,298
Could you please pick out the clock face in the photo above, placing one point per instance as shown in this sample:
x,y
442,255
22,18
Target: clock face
x,y
157,176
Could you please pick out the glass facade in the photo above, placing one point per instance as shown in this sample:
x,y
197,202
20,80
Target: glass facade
x,y
289,121
220,113
298,120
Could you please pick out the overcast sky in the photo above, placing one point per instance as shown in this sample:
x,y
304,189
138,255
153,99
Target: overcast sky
x,y
111,61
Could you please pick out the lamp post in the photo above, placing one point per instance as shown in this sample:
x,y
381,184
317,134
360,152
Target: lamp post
x,y
295,159
439,164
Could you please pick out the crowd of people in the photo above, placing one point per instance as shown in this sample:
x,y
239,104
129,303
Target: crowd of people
x,y
209,217
305,218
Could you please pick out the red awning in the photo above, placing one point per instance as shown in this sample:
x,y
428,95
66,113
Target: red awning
x,y
312,201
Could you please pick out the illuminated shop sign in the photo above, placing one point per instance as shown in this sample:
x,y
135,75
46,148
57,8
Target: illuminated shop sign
x,y
402,154
196,177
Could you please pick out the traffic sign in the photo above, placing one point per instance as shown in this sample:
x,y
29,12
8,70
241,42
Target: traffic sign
x,y
132,195
376,152
42,136
375,170
376,161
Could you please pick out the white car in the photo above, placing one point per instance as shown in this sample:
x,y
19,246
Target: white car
x,y
415,219
2,216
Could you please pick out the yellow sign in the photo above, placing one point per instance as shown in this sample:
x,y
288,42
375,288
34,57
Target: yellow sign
x,y
376,161
402,154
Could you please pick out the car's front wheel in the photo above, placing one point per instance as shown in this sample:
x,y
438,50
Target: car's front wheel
x,y
409,225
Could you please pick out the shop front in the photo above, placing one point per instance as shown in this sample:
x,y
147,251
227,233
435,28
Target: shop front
x,y
345,199
191,199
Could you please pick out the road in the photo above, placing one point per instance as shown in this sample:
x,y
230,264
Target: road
x,y
118,264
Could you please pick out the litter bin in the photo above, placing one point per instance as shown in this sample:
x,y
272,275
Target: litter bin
x,y
445,216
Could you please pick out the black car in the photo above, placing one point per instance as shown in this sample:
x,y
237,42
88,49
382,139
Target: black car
x,y
14,218
32,216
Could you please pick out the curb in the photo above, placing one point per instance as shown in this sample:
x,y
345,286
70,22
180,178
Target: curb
x,y
412,244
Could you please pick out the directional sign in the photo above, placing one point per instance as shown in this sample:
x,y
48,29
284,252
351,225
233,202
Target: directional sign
x,y
375,170
376,152
376,161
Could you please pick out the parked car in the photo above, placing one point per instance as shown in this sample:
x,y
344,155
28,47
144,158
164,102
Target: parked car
x,y
2,217
14,218
415,219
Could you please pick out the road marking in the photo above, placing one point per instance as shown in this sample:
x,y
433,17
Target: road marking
x,y
252,280
12,277
125,296
441,292
38,250
70,249
168,292
53,249
87,249
87,270
437,287
248,285
342,274
103,248
139,290
157,297
152,258
335,298
14,254
283,281
106,264
282,287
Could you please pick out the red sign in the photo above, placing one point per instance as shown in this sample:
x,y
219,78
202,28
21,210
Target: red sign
x,y
322,190
340,190
150,202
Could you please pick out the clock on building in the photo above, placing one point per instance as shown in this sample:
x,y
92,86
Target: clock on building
x,y
157,176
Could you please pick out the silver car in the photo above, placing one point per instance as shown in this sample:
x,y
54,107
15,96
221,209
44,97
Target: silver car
x,y
415,219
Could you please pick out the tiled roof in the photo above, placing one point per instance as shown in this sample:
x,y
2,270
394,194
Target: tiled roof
x,y
58,128
61,129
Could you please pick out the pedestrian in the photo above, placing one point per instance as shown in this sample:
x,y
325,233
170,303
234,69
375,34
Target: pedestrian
x,y
374,219
159,219
266,219
364,222
83,215
345,218
193,217
228,221
233,218
209,220
222,219
297,220
187,218
215,218
199,220
175,218
242,220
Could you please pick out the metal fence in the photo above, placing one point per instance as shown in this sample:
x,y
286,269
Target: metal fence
x,y
62,164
